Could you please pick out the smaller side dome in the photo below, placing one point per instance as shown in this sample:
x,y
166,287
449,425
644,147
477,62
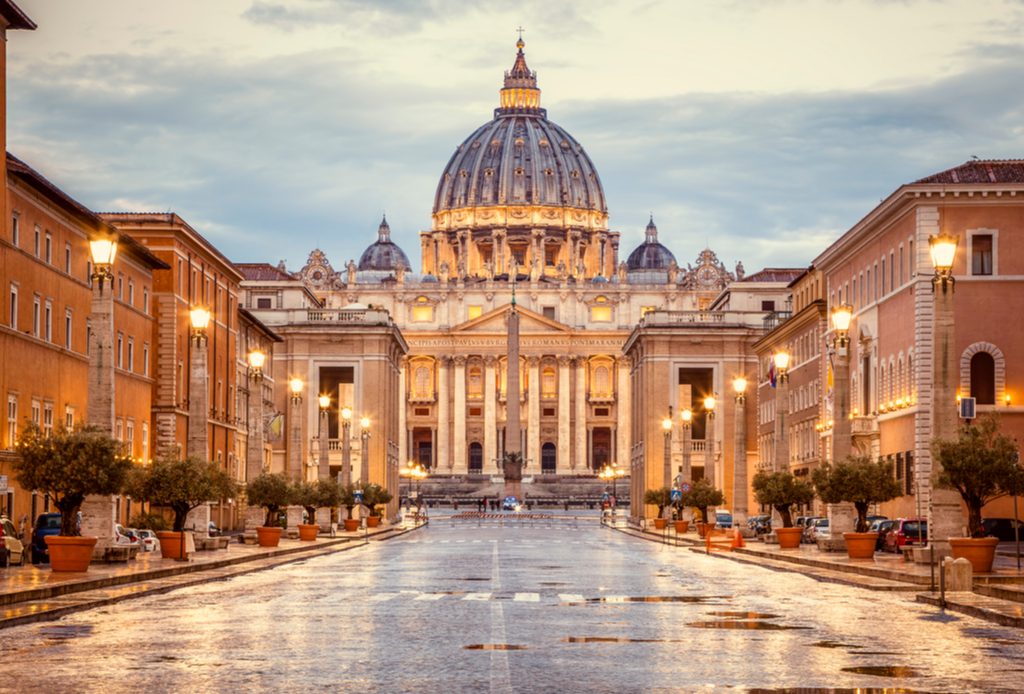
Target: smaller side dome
x,y
650,255
383,255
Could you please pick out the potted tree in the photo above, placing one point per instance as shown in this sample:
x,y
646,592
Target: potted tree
x,y
661,498
681,525
180,485
981,465
272,492
67,465
374,497
781,490
311,496
701,496
347,498
863,482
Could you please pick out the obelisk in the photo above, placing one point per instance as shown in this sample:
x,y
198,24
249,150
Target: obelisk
x,y
512,461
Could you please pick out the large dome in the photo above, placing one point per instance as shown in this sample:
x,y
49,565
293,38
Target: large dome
x,y
650,255
520,158
383,255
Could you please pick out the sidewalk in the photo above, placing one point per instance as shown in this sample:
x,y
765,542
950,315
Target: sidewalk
x,y
997,597
35,593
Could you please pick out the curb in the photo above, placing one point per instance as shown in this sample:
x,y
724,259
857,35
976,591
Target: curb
x,y
984,613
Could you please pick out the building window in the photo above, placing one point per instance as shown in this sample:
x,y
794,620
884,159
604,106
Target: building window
x,y
120,350
145,358
67,258
131,354
48,418
12,415
129,437
601,314
49,247
768,305
14,307
15,230
69,417
983,378
264,302
36,412
131,293
67,329
145,300
35,244
119,430
35,316
145,442
474,312
422,312
48,322
120,287
548,383
981,254
548,312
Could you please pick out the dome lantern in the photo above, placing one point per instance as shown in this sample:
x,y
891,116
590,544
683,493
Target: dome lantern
x,y
520,93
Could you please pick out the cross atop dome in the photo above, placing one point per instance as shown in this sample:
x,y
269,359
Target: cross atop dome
x,y
520,95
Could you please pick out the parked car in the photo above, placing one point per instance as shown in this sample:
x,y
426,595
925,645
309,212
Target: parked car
x,y
510,503
818,529
147,538
12,550
906,532
123,537
801,521
809,522
214,531
46,524
723,519
761,524
1003,528
881,528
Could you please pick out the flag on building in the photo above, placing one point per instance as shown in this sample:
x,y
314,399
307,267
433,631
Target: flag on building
x,y
771,372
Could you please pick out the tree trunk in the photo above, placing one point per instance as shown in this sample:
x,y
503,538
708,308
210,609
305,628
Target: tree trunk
x,y
862,515
787,518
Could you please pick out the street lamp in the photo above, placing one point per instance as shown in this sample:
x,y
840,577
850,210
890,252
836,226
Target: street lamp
x,y
841,517
254,453
323,431
198,395
103,250
295,386
666,426
612,472
414,472
739,460
686,416
710,473
781,362
346,446
943,252
364,467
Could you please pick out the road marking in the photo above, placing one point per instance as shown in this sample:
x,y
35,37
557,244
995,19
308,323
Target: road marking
x,y
570,597
478,596
527,597
430,596
382,597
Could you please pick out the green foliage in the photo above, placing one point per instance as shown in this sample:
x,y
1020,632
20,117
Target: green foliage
x,y
661,498
980,464
181,485
781,490
314,495
347,497
149,521
703,494
69,465
859,480
375,496
271,491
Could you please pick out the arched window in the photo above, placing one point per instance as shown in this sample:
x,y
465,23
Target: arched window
x,y
474,382
476,457
547,458
549,387
421,383
602,382
983,378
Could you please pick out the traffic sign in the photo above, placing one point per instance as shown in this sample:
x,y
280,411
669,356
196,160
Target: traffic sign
x,y
677,495
686,487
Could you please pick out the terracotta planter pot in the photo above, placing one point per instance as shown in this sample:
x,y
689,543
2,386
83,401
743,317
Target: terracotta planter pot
x,y
308,532
372,521
703,528
268,537
172,544
70,553
351,525
789,538
980,551
660,523
860,545
682,526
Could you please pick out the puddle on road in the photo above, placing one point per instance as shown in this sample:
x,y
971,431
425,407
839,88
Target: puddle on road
x,y
833,644
494,647
660,598
614,639
552,583
474,578
742,624
744,615
830,690
897,671
62,632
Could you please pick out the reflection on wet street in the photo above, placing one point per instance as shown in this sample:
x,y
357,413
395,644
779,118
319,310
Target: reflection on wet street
x,y
529,607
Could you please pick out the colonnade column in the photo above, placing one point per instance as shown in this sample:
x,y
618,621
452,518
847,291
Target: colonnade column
x,y
623,409
490,415
403,435
460,444
563,463
444,461
533,416
580,456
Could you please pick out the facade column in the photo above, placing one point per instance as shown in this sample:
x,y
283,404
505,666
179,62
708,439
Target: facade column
x,y
563,464
945,520
490,415
254,437
623,408
739,464
444,461
533,416
842,518
403,436
295,439
460,444
198,442
780,461
580,455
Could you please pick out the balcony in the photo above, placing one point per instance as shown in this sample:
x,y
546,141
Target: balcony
x,y
775,319
701,318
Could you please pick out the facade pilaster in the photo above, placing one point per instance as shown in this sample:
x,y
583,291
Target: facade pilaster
x,y
444,461
490,415
580,454
623,408
459,418
403,438
533,415
563,463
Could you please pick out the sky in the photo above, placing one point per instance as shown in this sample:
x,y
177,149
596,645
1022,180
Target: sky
x,y
762,129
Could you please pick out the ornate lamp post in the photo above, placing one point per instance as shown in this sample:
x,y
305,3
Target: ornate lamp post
x,y
323,431
101,335
739,462
254,442
841,516
295,386
781,460
686,417
198,387
612,472
364,434
666,426
710,472
944,518
346,446
414,472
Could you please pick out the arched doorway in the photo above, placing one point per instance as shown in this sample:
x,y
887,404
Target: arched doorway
x,y
476,457
601,453
548,456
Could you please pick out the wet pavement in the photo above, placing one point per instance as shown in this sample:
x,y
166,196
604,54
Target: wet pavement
x,y
527,606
